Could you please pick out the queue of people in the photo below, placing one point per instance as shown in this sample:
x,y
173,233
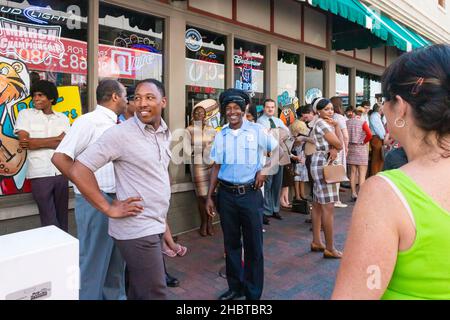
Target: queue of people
x,y
117,157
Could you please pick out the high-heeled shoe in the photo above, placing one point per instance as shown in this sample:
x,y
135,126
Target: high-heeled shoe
x,y
335,254
181,250
354,198
317,247
169,252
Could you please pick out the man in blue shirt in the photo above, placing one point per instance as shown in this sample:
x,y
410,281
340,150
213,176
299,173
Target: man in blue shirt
x,y
238,153
379,132
272,188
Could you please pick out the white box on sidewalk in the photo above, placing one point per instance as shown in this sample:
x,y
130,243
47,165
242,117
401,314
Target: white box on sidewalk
x,y
39,264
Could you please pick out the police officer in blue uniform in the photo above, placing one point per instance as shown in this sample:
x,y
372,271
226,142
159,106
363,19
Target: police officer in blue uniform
x,y
238,152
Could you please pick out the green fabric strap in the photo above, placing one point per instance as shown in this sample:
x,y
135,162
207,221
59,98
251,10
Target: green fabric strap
x,y
422,271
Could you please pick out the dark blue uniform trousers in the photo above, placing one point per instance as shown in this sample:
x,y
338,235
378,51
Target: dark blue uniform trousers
x,y
243,213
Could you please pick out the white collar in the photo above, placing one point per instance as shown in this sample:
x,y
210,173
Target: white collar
x,y
108,112
40,112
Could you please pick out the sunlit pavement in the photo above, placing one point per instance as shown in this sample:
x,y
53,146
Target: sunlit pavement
x,y
292,271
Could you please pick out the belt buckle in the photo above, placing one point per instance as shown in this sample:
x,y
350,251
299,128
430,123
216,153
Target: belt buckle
x,y
241,190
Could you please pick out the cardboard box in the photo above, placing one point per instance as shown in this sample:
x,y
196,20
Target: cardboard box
x,y
39,264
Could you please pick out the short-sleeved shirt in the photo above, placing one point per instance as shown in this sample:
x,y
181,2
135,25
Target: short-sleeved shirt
x,y
84,132
340,120
241,156
321,128
40,125
141,157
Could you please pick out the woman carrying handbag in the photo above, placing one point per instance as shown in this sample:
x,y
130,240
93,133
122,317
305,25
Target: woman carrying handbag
x,y
326,136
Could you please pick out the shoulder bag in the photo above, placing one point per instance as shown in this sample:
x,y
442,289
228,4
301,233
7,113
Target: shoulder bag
x,y
334,172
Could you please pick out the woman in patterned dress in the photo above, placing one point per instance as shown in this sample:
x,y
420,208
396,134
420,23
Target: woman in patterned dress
x,y
359,135
326,134
299,130
197,145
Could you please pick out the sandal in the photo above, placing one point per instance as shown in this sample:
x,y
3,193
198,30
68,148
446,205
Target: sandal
x,y
335,254
169,252
181,250
317,247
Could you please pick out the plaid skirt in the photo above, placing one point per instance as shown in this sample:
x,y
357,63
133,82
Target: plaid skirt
x,y
323,192
358,154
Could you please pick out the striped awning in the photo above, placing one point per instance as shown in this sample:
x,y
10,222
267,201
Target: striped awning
x,y
392,33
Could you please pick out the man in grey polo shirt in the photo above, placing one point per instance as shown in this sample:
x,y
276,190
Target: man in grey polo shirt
x,y
139,151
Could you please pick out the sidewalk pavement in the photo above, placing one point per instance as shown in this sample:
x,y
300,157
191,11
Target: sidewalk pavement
x,y
291,270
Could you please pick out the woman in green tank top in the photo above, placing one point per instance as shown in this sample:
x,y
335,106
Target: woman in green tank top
x,y
398,246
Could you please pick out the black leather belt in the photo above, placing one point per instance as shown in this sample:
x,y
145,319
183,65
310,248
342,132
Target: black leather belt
x,y
237,188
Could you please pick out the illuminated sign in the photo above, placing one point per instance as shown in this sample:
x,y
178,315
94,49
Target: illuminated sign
x,y
30,42
193,40
35,14
238,60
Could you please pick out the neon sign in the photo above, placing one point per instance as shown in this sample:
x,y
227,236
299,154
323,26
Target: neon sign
x,y
36,14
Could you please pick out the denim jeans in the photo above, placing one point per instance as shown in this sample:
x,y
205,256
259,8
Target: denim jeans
x,y
102,269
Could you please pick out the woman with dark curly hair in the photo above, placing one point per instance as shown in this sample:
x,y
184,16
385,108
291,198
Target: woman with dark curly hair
x,y
399,241
327,138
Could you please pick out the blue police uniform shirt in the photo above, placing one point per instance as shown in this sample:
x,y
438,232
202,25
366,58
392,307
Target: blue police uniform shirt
x,y
241,156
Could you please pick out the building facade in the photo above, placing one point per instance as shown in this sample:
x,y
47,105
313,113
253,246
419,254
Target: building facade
x,y
288,50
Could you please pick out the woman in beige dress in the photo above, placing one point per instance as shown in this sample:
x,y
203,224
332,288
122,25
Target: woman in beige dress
x,y
198,141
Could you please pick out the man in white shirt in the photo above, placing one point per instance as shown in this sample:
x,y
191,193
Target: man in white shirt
x,y
272,186
40,130
101,264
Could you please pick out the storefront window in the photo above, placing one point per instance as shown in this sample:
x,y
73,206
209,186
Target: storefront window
x,y
131,45
205,70
249,69
342,84
43,40
314,79
368,87
287,90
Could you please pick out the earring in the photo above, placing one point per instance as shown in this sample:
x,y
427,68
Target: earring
x,y
399,122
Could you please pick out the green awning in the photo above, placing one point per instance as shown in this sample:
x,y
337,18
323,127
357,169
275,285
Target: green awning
x,y
379,25
393,32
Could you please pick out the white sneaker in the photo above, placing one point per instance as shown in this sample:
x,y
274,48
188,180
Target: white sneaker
x,y
339,204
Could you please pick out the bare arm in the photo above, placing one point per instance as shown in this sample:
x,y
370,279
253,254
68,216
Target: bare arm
x,y
86,182
63,162
333,140
372,245
345,139
210,207
38,143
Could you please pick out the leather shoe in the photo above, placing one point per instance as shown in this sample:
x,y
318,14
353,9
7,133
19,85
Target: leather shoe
x,y
265,220
172,281
230,295
277,215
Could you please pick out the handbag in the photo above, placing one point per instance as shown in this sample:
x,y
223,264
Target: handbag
x,y
290,169
302,206
310,148
334,172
